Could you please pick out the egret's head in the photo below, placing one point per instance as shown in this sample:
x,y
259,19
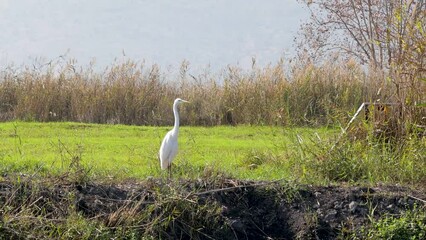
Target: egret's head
x,y
179,101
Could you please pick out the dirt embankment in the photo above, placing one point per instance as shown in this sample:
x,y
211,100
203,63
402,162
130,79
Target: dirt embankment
x,y
217,209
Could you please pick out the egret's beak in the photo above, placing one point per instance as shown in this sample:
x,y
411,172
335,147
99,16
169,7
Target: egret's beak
x,y
185,101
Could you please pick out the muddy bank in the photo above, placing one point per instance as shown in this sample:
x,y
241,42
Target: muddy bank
x,y
218,209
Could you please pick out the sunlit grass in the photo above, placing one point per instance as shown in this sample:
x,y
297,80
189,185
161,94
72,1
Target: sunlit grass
x,y
131,151
242,152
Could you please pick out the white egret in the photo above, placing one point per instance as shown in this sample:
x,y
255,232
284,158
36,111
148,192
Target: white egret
x,y
169,145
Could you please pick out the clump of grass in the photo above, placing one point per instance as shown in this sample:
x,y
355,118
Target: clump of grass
x,y
369,159
256,158
409,225
346,163
72,163
177,215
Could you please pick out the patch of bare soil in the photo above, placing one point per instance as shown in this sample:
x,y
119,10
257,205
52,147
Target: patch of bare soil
x,y
245,209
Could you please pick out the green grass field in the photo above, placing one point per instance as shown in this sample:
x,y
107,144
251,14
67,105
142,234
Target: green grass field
x,y
243,152
118,151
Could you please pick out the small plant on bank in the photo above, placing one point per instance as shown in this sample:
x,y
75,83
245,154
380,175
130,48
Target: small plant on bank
x,y
410,225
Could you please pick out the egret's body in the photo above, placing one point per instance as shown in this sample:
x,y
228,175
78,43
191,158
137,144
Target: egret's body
x,y
168,149
169,145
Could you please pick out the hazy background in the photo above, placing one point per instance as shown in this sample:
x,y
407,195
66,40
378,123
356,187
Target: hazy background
x,y
204,32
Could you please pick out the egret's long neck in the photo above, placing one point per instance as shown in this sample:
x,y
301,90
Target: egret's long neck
x,y
176,113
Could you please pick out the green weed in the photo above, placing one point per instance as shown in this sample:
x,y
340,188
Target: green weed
x,y
409,225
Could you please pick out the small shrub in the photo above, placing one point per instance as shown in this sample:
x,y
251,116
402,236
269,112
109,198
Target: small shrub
x,y
370,159
410,225
344,163
255,158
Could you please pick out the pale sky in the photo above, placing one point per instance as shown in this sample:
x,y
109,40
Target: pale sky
x,y
214,32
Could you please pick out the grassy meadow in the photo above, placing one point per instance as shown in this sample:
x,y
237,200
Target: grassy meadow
x,y
119,151
244,152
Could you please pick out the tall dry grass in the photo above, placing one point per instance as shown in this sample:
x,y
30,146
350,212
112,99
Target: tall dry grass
x,y
135,93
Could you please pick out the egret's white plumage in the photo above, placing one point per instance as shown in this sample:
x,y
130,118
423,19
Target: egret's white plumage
x,y
169,145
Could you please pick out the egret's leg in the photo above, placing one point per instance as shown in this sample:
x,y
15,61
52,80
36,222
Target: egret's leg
x,y
169,172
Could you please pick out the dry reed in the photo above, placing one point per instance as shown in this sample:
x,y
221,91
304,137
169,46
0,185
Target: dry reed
x,y
134,93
